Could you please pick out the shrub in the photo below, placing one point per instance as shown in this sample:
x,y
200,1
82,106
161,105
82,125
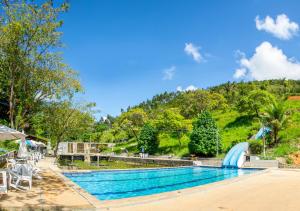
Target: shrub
x,y
205,138
256,147
148,139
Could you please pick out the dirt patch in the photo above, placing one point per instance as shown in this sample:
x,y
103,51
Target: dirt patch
x,y
295,157
294,98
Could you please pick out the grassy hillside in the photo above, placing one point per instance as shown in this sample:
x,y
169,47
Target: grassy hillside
x,y
233,127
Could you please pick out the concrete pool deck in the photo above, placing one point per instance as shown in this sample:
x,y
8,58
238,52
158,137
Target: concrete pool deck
x,y
49,193
272,189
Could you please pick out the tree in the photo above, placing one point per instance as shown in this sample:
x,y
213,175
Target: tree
x,y
255,102
107,136
64,121
171,121
31,71
132,121
275,117
205,138
194,102
148,139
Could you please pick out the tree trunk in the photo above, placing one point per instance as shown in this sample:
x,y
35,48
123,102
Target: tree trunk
x,y
256,112
56,148
179,137
134,133
275,135
11,102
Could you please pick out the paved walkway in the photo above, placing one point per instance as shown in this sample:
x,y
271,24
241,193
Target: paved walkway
x,y
51,192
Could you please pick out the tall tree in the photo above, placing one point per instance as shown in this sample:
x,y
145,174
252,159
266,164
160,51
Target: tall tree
x,y
64,122
132,121
194,102
171,121
255,102
31,70
276,117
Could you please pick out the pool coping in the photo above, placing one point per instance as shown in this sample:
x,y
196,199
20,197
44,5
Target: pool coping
x,y
92,200
117,203
126,169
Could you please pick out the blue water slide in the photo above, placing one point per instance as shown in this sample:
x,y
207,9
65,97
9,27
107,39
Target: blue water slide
x,y
235,157
262,132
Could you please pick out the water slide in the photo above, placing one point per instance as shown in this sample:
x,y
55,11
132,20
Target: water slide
x,y
262,133
235,158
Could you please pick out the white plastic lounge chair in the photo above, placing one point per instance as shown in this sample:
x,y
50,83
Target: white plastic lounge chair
x,y
35,171
21,173
3,182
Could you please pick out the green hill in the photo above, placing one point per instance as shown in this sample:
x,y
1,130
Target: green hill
x,y
226,103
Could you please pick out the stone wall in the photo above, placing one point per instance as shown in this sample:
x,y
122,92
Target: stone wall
x,y
150,160
210,161
158,161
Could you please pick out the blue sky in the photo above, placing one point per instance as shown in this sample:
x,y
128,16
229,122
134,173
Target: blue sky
x,y
128,51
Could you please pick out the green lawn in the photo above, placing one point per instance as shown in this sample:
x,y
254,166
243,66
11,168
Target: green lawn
x,y
172,146
104,164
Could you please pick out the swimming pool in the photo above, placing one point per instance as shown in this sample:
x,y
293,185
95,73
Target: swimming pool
x,y
109,185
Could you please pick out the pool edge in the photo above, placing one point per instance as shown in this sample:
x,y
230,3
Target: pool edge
x,y
116,203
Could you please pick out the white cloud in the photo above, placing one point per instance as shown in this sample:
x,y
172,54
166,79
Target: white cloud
x,y
169,73
179,89
192,50
189,88
281,28
268,62
240,73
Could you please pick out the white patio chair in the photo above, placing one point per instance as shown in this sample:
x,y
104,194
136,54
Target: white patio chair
x,y
3,183
21,173
35,171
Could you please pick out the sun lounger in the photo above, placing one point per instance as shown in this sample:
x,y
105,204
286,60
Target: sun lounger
x,y
19,174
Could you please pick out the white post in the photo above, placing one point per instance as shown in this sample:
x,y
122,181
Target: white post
x,y
264,143
217,146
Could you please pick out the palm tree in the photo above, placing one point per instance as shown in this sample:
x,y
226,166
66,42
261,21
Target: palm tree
x,y
275,117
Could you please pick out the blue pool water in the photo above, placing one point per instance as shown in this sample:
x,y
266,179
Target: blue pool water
x,y
108,185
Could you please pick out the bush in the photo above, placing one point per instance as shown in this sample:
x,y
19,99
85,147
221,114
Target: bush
x,y
256,147
205,138
148,139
